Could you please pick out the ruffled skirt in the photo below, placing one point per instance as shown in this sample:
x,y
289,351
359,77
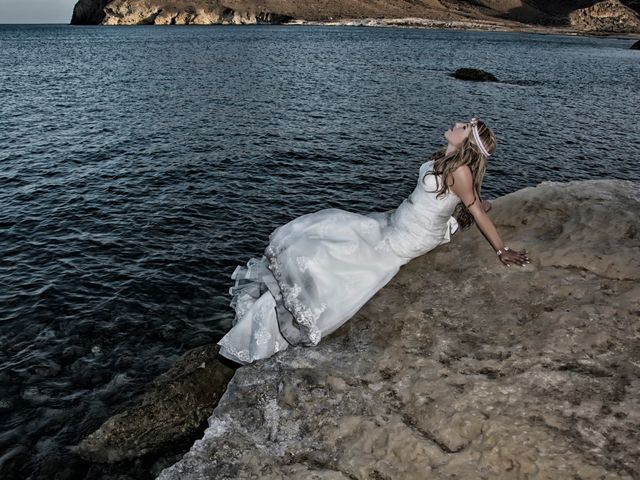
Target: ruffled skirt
x,y
316,273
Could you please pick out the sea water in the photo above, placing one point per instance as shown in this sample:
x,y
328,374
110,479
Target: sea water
x,y
140,165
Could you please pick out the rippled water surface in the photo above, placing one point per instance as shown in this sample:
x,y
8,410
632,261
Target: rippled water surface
x,y
140,165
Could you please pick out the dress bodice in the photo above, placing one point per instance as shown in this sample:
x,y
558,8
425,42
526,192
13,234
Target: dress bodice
x,y
422,220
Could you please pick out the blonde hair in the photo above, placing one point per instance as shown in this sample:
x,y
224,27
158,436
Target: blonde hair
x,y
467,154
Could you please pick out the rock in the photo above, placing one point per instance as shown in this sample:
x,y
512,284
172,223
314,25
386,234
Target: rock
x,y
635,46
88,12
607,16
461,367
474,74
140,12
175,408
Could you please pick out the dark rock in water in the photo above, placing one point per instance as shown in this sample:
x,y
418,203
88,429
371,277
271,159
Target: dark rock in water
x,y
635,46
88,12
474,74
176,408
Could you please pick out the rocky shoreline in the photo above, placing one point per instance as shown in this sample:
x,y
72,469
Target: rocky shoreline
x,y
476,25
458,368
606,17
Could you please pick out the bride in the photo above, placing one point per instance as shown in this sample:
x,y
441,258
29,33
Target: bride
x,y
321,268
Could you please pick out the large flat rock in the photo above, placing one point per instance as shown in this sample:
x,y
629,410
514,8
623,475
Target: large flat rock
x,y
461,367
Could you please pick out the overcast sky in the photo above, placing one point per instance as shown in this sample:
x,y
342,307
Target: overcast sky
x,y
36,11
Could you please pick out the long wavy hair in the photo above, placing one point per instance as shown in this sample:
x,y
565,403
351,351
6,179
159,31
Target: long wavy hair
x,y
467,154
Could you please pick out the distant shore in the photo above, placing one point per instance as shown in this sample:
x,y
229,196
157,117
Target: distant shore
x,y
427,23
480,25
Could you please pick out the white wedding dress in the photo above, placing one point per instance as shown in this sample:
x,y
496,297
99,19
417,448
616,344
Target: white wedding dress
x,y
321,268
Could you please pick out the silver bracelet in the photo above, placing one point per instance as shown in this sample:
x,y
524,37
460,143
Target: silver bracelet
x,y
502,250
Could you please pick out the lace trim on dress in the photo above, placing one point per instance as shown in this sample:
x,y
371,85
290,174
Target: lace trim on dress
x,y
304,315
240,356
251,283
244,355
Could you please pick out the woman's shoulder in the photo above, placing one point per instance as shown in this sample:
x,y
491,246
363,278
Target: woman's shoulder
x,y
429,166
460,181
463,171
462,175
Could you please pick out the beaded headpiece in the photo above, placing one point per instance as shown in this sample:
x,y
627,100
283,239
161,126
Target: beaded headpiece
x,y
476,136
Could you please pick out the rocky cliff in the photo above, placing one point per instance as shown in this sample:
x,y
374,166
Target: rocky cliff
x,y
89,12
607,16
506,12
459,368
119,12
462,367
147,12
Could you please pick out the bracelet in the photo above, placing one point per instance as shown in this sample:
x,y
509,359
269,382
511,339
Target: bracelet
x,y
502,250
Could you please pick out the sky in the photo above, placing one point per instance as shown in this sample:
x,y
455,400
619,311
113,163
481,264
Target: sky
x,y
36,11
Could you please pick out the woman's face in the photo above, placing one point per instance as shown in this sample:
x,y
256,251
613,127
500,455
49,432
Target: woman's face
x,y
458,133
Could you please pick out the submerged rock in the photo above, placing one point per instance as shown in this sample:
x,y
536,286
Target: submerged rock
x,y
174,409
461,367
474,74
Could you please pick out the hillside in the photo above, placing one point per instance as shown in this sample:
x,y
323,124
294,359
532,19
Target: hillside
x,y
609,16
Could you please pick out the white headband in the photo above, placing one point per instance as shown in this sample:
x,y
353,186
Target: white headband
x,y
476,136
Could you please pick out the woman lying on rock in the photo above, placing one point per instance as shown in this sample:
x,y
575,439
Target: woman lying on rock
x,y
321,268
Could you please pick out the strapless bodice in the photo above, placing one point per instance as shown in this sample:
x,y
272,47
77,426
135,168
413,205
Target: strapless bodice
x,y
423,220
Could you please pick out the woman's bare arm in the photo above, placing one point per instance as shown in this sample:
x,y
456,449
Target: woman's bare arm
x,y
462,186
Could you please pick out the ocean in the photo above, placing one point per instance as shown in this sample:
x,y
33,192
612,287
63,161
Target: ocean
x,y
140,165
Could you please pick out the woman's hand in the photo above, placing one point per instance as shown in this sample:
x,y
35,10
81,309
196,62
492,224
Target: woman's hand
x,y
509,256
462,185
